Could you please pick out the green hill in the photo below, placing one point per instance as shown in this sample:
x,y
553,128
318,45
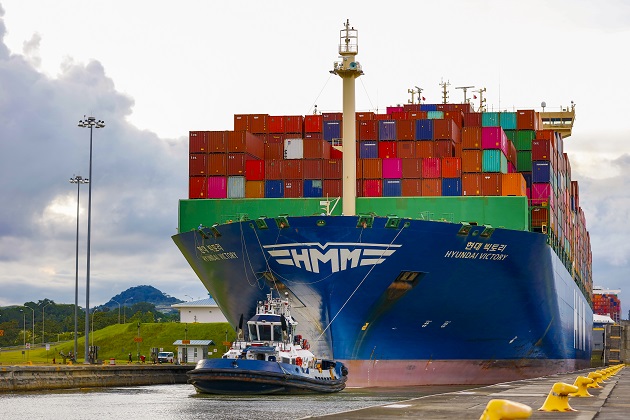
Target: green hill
x,y
117,341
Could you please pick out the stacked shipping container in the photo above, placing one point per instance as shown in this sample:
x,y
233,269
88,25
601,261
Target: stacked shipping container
x,y
607,304
414,150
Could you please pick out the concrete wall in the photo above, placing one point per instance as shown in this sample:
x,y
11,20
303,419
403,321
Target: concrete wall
x,y
625,342
201,314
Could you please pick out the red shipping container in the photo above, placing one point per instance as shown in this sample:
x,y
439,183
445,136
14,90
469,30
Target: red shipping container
x,y
313,124
386,149
417,115
471,184
491,184
360,116
275,138
273,169
274,151
254,189
292,169
546,134
406,149
217,187
432,187
392,168
446,129
411,187
444,148
275,124
431,168
451,167
241,122
457,150
359,168
316,149
411,107
336,153
527,120
197,142
457,116
197,165
380,117
372,188
472,160
367,130
312,168
425,149
402,115
293,188
512,154
412,168
197,187
257,124
540,217
406,130
332,169
372,168
255,170
294,124
472,119
471,137
236,163
217,164
217,141
542,149
245,142
332,116
332,188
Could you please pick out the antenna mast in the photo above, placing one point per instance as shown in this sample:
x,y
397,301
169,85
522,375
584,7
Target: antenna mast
x,y
465,89
413,92
444,90
482,100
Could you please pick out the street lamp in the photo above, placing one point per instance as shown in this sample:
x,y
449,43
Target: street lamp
x,y
118,309
125,310
78,179
33,338
24,323
44,307
89,122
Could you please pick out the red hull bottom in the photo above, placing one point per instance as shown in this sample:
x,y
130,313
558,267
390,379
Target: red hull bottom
x,y
396,373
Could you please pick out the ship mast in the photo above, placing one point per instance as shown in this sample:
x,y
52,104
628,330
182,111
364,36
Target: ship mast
x,y
445,86
348,69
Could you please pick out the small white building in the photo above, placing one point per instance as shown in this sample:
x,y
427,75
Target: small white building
x,y
203,311
192,351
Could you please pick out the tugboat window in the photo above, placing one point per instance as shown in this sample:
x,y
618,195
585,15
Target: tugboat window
x,y
253,335
265,332
277,333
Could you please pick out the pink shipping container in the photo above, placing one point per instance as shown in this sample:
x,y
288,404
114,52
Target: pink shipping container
x,y
293,188
372,188
542,195
313,124
386,149
392,168
245,142
197,165
372,168
255,170
217,164
332,169
217,141
431,168
312,168
217,187
197,187
316,149
394,109
273,169
197,142
494,138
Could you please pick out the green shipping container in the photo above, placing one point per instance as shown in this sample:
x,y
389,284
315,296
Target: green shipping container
x,y
511,134
494,161
524,161
490,119
524,139
508,120
435,115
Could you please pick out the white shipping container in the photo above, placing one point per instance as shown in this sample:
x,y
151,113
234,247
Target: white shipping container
x,y
236,187
293,148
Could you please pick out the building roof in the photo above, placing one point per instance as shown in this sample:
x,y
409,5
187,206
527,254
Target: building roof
x,y
195,343
602,319
203,303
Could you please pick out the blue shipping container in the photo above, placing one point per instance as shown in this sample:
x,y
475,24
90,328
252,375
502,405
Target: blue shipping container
x,y
490,119
368,150
494,161
392,188
528,178
424,129
312,188
428,107
541,171
451,187
435,115
274,188
508,120
332,130
387,130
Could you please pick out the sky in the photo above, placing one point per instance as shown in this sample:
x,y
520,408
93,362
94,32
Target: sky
x,y
153,71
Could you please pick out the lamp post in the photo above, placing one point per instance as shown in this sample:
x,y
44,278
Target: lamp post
x,y
125,310
43,331
24,324
91,123
118,309
33,338
93,313
77,179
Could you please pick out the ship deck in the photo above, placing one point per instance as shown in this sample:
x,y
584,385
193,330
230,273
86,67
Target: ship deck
x,y
609,402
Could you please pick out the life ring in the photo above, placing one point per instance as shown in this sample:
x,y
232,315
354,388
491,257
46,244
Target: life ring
x,y
298,361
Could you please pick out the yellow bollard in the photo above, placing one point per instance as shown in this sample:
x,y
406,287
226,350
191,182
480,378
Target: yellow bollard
x,y
558,398
596,377
505,409
581,382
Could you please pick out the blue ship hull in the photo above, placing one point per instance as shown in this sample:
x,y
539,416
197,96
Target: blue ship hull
x,y
411,302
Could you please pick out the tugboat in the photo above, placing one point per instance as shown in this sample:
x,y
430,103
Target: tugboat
x,y
274,360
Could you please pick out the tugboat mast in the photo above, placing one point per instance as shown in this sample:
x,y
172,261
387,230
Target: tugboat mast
x,y
348,69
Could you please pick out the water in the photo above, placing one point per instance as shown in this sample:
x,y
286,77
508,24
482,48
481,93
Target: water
x,y
182,402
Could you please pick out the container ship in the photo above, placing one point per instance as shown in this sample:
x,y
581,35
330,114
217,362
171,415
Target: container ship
x,y
430,244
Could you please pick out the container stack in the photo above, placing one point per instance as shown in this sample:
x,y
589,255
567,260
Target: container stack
x,y
410,151
607,304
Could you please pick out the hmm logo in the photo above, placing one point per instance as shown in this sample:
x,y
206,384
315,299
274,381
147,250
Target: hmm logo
x,y
339,255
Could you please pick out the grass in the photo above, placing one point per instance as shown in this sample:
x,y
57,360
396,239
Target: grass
x,y
117,341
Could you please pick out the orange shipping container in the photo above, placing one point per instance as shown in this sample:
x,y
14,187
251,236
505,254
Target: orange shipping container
x,y
491,184
444,148
217,164
372,168
364,116
293,188
217,141
257,123
432,187
367,130
312,168
406,130
425,149
471,138
359,169
254,189
411,187
406,149
513,184
245,142
412,168
446,129
274,151
451,167
332,188
471,160
332,169
316,149
471,184
527,120
273,169
292,169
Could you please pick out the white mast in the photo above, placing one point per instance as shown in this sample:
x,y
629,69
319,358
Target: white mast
x,y
348,69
